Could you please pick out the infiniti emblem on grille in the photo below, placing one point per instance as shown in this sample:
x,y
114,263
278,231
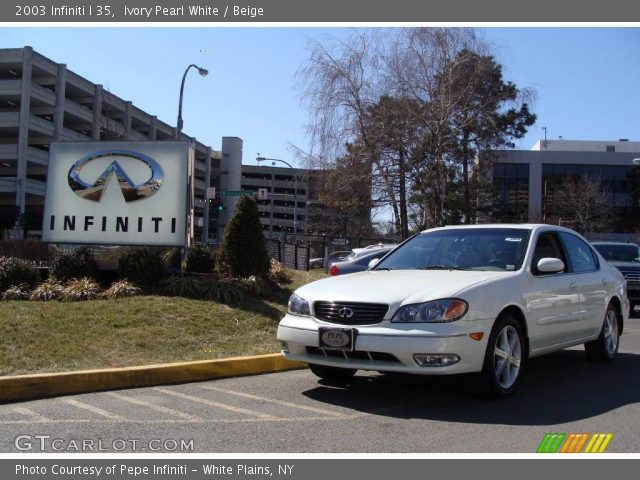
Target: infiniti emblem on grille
x,y
345,312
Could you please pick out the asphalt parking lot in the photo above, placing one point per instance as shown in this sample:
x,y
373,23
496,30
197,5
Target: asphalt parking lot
x,y
294,412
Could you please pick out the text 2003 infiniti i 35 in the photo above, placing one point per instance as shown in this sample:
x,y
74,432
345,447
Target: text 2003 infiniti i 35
x,y
461,299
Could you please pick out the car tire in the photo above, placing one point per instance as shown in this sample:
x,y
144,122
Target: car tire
x,y
605,347
504,358
331,373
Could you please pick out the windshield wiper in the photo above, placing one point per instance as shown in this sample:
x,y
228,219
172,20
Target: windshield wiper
x,y
385,268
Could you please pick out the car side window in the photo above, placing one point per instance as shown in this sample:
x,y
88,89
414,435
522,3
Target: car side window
x,y
547,246
580,254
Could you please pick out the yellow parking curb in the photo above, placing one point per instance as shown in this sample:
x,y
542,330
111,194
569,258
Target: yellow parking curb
x,y
40,385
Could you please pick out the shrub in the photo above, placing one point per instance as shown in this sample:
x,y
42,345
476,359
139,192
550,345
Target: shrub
x,y
278,272
256,286
199,259
14,271
221,292
141,265
120,289
76,263
33,250
16,292
172,259
243,251
183,286
50,289
203,289
80,289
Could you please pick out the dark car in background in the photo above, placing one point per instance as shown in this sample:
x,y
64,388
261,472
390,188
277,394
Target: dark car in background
x,y
358,261
626,258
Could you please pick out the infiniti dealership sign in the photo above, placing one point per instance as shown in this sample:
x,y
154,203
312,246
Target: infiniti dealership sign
x,y
120,193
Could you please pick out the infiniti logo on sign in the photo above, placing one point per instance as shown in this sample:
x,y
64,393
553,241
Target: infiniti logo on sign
x,y
345,312
131,191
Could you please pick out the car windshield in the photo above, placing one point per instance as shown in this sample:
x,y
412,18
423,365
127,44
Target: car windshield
x,y
619,253
497,249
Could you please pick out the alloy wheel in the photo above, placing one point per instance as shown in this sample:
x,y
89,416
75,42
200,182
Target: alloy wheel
x,y
507,357
611,335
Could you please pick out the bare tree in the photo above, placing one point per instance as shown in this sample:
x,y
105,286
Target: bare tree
x,y
414,106
342,83
339,81
582,204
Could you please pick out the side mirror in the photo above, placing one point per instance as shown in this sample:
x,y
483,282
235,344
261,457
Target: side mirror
x,y
550,265
373,262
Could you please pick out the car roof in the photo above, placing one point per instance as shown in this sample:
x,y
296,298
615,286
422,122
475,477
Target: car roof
x,y
367,253
523,226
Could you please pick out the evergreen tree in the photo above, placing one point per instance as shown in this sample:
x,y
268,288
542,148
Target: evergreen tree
x,y
244,252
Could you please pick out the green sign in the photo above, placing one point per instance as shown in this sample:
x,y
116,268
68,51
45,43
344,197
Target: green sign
x,y
236,193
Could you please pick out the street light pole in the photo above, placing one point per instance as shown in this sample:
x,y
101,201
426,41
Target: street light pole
x,y
295,189
203,73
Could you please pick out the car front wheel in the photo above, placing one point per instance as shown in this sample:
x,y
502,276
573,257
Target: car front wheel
x,y
504,358
331,373
605,347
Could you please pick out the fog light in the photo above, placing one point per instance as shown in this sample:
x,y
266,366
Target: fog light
x,y
436,359
285,346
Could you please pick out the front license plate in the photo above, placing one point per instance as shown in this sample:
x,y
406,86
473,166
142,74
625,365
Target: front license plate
x,y
342,339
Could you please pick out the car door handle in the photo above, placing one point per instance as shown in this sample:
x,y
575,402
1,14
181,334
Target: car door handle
x,y
573,285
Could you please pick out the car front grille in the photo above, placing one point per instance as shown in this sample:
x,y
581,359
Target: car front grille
x,y
350,313
633,277
355,355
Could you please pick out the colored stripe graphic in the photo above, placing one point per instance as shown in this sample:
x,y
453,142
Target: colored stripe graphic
x,y
573,442
550,443
598,443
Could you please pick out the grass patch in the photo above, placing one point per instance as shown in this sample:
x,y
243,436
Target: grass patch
x,y
55,336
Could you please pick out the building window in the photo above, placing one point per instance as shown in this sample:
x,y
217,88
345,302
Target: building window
x,y
620,182
611,148
511,192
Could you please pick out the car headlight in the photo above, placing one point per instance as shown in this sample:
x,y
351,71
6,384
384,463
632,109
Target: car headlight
x,y
437,311
298,306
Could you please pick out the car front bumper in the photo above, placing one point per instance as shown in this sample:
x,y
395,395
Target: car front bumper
x,y
389,346
633,293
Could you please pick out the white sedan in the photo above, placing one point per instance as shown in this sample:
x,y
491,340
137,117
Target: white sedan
x,y
461,299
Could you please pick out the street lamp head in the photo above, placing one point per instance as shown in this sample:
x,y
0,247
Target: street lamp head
x,y
203,72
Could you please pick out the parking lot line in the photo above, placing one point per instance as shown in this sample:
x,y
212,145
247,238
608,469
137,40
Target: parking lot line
x,y
272,400
91,408
211,403
153,406
30,413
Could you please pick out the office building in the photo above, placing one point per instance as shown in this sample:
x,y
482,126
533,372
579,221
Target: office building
x,y
527,184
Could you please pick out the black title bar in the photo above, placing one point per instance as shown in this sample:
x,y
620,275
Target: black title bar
x,y
374,11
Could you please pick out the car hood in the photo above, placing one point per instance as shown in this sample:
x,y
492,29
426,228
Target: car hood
x,y
395,287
